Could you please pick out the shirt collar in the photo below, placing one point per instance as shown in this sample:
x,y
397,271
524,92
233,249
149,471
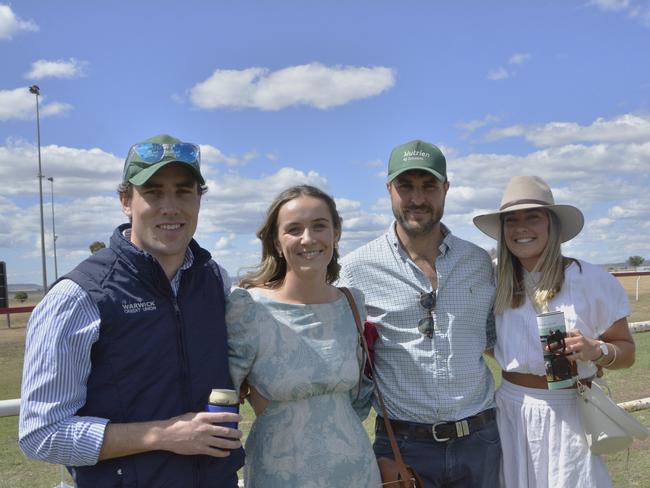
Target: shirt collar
x,y
445,245
188,259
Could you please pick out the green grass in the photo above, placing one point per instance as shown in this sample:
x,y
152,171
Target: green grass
x,y
640,308
18,471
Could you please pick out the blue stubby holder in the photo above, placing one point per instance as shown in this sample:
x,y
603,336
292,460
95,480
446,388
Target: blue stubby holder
x,y
223,401
210,407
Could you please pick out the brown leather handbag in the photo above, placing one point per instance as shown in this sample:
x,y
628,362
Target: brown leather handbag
x,y
394,473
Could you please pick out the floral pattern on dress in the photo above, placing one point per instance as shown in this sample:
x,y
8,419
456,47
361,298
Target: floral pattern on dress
x,y
305,359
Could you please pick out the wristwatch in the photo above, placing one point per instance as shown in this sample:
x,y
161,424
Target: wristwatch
x,y
604,351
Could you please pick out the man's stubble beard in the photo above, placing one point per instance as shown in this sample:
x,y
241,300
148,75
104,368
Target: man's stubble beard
x,y
418,230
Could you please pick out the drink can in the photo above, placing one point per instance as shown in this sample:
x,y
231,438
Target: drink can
x,y
560,372
223,400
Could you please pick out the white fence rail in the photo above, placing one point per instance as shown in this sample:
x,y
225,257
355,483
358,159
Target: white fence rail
x,y
9,408
639,326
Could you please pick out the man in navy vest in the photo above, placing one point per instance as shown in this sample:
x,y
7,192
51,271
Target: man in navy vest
x,y
122,352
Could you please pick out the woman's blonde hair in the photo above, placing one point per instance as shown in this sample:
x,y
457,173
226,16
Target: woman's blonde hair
x,y
511,289
273,268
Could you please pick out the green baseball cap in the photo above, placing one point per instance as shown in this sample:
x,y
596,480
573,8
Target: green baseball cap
x,y
147,157
417,155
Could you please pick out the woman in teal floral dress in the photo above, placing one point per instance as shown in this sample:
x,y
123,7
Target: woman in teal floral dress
x,y
293,338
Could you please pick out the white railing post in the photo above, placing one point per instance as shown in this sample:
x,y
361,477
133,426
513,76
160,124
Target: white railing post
x,y
9,408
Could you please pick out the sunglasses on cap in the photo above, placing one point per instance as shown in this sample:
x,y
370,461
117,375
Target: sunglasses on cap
x,y
426,325
154,152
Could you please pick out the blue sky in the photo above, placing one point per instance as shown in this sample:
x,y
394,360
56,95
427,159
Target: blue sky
x,y
287,92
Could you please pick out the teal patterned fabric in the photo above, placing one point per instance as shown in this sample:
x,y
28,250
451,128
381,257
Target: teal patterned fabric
x,y
305,359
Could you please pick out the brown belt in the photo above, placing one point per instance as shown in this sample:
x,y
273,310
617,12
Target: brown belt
x,y
441,431
528,380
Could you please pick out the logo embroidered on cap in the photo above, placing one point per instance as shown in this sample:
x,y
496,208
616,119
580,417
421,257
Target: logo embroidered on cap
x,y
137,307
415,155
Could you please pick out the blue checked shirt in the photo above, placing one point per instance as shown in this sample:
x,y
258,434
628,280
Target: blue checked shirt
x,y
60,334
425,380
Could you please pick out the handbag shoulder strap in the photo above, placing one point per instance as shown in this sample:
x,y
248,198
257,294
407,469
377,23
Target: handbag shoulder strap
x,y
389,428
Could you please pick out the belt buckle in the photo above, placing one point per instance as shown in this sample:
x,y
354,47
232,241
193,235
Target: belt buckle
x,y
435,436
462,428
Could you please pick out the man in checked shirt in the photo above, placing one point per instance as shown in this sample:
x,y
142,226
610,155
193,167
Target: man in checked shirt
x,y
430,295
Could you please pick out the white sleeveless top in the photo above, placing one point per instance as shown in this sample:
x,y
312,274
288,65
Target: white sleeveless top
x,y
592,300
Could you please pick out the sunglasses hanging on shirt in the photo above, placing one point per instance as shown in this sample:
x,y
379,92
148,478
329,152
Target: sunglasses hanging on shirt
x,y
426,326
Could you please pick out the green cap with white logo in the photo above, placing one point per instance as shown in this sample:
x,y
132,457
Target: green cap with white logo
x,y
417,155
148,157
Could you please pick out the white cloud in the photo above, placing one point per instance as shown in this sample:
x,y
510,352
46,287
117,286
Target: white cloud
x,y
231,185
498,74
473,125
633,208
54,108
236,204
311,84
627,128
20,104
505,132
381,205
366,222
79,171
77,225
594,178
579,175
347,205
638,11
601,223
359,224
57,69
13,218
10,24
607,180
249,156
519,58
224,242
76,171
592,165
210,154
502,73
611,5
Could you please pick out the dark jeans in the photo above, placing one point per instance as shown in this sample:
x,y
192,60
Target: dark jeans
x,y
472,461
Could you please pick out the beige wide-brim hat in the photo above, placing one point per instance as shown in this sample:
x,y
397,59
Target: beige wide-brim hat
x,y
525,192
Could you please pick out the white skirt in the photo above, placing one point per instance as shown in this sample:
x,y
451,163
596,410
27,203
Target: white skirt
x,y
543,442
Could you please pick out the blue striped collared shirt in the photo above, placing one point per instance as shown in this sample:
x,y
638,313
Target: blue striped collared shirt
x,y
423,379
60,334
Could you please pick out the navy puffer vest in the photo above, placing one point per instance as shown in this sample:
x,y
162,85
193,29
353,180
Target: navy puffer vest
x,y
157,356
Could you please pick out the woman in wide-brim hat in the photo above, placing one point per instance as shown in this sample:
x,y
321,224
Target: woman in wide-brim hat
x,y
542,437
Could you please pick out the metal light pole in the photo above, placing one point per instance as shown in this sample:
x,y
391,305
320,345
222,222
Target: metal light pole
x,y
54,236
37,91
